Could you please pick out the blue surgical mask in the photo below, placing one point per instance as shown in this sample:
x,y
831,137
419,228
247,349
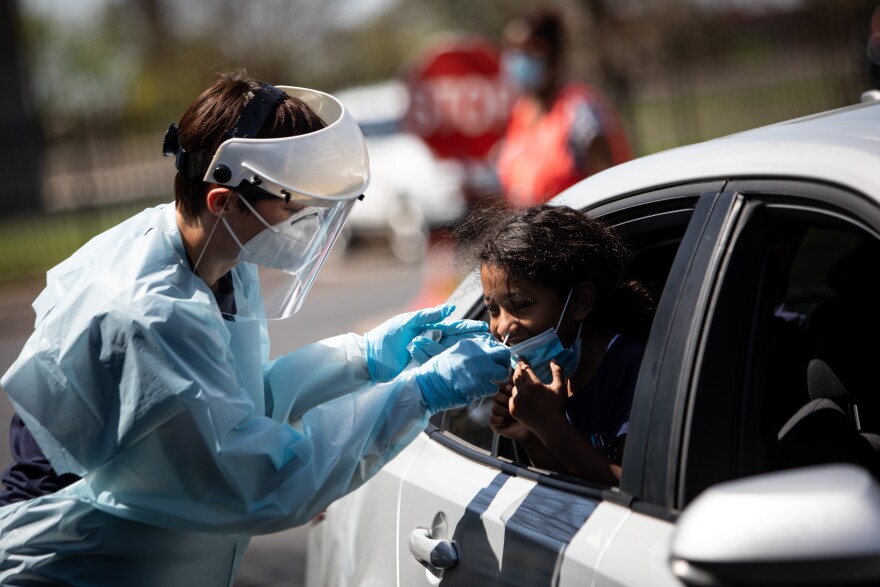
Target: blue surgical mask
x,y
539,350
523,70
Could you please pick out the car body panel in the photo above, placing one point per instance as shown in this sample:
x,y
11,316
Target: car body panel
x,y
588,547
844,149
419,504
506,528
364,528
636,532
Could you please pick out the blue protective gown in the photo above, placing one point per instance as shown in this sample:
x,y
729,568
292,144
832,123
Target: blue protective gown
x,y
178,423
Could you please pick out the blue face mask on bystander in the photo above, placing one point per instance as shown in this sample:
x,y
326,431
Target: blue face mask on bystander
x,y
524,71
539,350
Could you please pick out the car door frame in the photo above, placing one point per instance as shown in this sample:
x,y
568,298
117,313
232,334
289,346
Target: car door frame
x,y
650,462
649,477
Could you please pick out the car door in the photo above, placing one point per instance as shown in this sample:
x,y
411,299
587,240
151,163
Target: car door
x,y
778,280
354,542
472,501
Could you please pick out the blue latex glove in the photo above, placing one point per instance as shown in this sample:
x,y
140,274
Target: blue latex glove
x,y
468,370
386,345
450,332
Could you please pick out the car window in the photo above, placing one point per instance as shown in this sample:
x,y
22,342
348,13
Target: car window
x,y
782,379
470,424
653,232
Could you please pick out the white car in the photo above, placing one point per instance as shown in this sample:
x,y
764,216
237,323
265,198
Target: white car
x,y
752,456
411,191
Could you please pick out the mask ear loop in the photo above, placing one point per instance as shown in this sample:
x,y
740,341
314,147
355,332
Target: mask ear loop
x,y
580,327
255,213
564,308
229,228
211,234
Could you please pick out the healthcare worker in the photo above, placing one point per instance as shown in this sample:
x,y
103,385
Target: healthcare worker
x,y
146,385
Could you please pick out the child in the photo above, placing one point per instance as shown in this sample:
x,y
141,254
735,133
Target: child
x,y
551,285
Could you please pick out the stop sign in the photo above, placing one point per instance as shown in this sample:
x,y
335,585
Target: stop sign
x,y
458,104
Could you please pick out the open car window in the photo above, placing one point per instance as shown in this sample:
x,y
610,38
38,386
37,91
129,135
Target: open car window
x,y
653,229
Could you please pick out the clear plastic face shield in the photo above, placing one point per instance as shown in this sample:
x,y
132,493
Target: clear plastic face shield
x,y
317,178
288,255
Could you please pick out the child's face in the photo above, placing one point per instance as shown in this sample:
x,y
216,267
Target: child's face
x,y
518,309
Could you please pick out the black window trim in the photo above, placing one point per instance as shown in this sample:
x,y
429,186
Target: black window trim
x,y
558,481
803,192
745,214
667,369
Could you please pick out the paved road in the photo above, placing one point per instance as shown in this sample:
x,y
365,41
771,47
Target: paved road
x,y
351,294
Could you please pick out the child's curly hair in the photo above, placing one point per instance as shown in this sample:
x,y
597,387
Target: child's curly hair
x,y
559,247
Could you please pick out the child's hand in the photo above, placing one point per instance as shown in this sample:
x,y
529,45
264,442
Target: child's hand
x,y
541,408
502,422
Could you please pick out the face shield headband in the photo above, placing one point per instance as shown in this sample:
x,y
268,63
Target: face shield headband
x,y
321,173
328,165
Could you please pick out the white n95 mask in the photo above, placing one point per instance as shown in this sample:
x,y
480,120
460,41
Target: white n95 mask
x,y
539,350
282,246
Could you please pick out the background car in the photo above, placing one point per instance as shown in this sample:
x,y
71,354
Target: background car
x,y
411,191
752,452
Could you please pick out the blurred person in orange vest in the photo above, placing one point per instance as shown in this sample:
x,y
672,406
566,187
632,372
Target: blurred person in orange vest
x,y
559,132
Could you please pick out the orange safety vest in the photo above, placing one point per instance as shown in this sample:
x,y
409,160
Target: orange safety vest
x,y
536,161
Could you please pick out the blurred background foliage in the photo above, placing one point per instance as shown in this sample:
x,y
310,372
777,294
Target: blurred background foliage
x,y
92,84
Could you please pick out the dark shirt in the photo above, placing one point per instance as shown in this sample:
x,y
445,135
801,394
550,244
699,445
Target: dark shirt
x,y
225,296
600,410
30,475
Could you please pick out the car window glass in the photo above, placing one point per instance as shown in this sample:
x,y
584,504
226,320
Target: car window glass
x,y
784,380
471,424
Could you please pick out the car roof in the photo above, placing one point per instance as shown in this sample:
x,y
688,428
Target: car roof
x,y
840,146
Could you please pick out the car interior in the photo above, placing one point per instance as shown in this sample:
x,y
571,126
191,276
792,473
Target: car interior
x,y
797,292
839,418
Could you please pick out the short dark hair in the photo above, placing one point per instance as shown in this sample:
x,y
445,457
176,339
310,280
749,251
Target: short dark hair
x,y
547,26
204,125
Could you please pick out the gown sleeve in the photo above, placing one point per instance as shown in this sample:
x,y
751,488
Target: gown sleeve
x,y
315,374
145,405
